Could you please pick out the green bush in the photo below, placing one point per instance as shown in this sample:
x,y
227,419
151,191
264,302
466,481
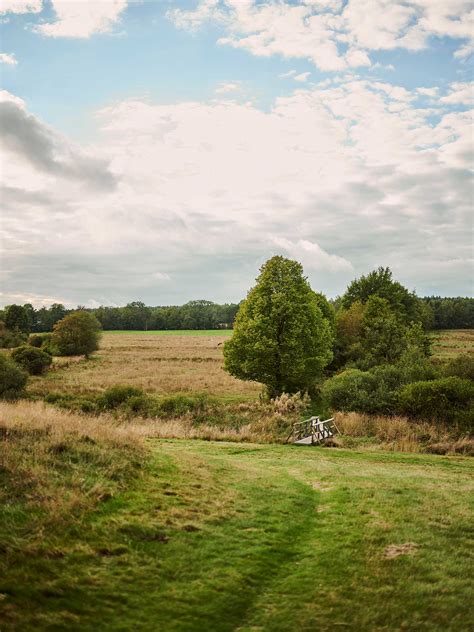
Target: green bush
x,y
448,399
40,341
11,339
12,378
177,405
351,390
117,395
139,405
31,359
460,366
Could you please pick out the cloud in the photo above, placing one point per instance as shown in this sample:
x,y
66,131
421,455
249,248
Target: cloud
x,y
28,139
460,94
428,92
302,77
226,88
312,256
6,58
80,19
20,6
343,176
332,34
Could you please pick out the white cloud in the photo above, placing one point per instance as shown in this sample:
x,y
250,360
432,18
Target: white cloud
x,y
332,34
312,256
81,19
460,94
302,77
348,173
228,87
428,92
9,59
20,6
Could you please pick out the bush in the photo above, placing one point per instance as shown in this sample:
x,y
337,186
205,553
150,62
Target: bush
x,y
460,366
12,378
76,334
31,359
10,339
116,395
40,341
351,390
448,399
178,405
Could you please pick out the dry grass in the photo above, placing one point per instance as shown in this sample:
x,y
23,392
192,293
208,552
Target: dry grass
x,y
401,434
451,342
157,364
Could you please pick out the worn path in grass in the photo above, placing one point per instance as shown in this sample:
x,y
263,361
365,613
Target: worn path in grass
x,y
221,537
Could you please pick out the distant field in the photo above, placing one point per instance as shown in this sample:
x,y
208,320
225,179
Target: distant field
x,y
451,342
161,364
99,533
174,332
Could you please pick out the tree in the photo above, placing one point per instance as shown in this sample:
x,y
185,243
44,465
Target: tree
x,y
12,378
16,319
380,283
77,334
384,334
281,337
33,360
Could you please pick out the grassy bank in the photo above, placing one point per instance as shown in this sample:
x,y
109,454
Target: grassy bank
x,y
106,530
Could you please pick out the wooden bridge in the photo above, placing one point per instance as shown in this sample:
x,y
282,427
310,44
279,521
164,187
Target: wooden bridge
x,y
312,431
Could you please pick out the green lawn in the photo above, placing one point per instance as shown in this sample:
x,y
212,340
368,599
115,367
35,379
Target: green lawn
x,y
175,332
220,537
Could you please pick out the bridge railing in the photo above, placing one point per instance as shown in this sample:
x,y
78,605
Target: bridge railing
x,y
314,429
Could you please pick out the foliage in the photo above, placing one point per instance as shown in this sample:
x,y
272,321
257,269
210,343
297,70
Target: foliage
x,y
451,313
117,395
460,366
33,360
16,318
12,378
449,399
77,334
380,283
40,340
10,339
281,337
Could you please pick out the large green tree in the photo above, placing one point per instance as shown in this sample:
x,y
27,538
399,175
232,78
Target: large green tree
x,y
16,318
76,334
281,336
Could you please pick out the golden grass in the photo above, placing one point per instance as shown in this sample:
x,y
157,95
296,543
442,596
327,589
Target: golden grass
x,y
157,364
451,342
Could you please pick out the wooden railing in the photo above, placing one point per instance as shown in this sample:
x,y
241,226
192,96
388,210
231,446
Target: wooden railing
x,y
313,430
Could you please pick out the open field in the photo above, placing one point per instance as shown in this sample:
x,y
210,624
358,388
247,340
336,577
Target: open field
x,y
159,364
100,530
451,342
175,332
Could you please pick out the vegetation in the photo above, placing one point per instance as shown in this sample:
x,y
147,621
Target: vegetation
x,y
33,360
12,378
281,337
104,531
76,334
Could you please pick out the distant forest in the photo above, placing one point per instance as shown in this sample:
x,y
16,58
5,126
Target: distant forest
x,y
440,313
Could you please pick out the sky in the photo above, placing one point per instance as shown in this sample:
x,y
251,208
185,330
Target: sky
x,y
162,151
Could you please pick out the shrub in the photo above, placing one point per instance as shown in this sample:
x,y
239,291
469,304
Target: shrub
x,y
76,334
10,339
116,395
12,378
447,399
460,366
351,390
31,359
40,340
178,405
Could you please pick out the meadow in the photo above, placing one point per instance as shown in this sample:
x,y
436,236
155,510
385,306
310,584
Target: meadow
x,y
158,362
105,527
451,342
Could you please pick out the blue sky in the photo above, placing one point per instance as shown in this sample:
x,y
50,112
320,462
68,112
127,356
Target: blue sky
x,y
175,145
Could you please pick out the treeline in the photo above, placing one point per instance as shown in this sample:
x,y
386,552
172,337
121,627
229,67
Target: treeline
x,y
450,313
436,313
134,316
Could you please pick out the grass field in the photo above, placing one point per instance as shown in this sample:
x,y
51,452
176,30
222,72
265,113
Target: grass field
x,y
451,342
161,364
175,332
102,532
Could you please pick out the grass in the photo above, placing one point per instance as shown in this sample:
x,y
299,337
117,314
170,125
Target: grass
x,y
104,529
449,343
160,365
174,332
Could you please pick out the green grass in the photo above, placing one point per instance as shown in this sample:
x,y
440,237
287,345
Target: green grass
x,y
175,332
219,536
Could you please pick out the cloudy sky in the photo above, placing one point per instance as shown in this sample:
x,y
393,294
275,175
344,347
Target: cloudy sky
x,y
161,151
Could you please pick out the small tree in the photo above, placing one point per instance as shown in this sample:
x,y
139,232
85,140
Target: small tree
x,y
77,334
281,337
12,378
16,318
31,359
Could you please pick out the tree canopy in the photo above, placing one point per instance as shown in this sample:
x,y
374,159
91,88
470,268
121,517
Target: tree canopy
x,y
281,337
77,334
